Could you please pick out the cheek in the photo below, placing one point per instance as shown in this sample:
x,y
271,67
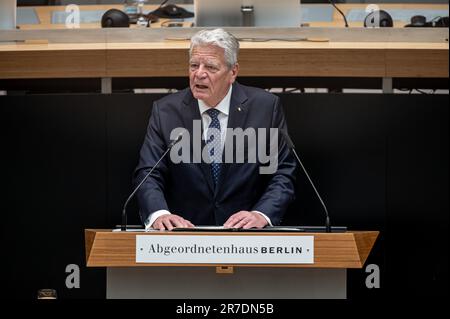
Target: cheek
x,y
222,83
216,82
230,78
191,76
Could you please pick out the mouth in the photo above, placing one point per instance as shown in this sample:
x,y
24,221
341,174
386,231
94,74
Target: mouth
x,y
201,86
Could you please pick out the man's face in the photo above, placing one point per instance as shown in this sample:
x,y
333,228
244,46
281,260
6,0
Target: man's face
x,y
209,75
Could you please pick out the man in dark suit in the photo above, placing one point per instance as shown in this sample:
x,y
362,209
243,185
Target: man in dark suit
x,y
211,191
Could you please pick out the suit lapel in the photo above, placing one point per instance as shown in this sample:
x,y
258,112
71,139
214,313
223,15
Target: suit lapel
x,y
236,118
192,114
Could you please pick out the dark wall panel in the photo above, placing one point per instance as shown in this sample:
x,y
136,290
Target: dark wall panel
x,y
379,161
417,189
55,186
127,120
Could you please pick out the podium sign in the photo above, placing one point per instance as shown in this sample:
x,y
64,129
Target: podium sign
x,y
197,249
163,264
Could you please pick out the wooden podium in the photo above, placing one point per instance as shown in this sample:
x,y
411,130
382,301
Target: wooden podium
x,y
325,278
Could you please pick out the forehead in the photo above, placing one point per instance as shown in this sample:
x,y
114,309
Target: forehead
x,y
208,52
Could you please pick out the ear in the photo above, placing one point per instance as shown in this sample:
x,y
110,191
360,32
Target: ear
x,y
234,72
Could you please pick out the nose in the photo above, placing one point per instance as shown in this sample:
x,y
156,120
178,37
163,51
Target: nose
x,y
201,72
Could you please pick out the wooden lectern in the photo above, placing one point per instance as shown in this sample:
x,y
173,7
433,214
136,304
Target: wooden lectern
x,y
325,278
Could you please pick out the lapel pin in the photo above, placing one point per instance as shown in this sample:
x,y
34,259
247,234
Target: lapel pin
x,y
239,108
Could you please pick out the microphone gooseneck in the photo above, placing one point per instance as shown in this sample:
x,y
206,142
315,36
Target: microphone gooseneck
x,y
292,147
340,12
124,209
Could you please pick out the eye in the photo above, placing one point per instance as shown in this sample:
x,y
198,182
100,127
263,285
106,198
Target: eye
x,y
212,68
193,66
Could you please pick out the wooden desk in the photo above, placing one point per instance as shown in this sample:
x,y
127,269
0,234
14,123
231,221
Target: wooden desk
x,y
104,58
106,248
274,58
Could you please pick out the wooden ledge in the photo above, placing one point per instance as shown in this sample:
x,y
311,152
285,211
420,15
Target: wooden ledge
x,y
105,248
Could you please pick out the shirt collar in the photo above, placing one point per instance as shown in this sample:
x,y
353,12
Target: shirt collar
x,y
223,106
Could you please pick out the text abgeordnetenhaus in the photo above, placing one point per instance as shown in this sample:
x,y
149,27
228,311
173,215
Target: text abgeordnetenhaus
x,y
232,249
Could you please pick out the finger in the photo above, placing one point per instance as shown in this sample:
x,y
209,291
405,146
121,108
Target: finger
x,y
188,223
232,221
256,220
241,223
160,225
157,225
167,224
250,224
235,218
178,222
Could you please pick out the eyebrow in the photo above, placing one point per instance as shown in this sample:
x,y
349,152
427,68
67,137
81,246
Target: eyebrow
x,y
207,62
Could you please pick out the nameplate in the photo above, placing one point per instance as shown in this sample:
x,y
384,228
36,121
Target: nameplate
x,y
201,249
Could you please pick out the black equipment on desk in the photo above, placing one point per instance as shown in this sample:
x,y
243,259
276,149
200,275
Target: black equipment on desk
x,y
420,21
115,18
171,11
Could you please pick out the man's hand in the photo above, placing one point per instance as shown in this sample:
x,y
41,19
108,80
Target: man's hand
x,y
245,219
169,221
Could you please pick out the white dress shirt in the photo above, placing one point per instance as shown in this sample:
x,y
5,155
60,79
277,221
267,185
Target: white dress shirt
x,y
224,108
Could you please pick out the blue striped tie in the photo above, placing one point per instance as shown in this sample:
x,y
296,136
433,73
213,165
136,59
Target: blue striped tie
x,y
214,144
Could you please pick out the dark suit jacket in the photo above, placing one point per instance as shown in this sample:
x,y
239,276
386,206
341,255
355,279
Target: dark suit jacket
x,y
187,189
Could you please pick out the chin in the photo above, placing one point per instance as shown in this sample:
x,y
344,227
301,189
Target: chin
x,y
200,96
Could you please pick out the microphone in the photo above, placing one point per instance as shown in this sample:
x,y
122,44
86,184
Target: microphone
x,y
340,12
124,210
292,147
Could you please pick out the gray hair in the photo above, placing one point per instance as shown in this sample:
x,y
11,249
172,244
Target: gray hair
x,y
220,38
